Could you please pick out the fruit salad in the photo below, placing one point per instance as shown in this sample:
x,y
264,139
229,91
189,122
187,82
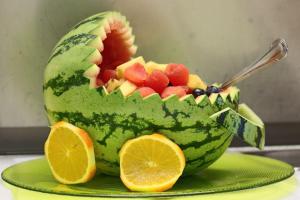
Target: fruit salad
x,y
149,78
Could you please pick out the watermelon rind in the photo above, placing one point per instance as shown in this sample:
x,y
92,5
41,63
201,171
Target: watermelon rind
x,y
244,123
110,118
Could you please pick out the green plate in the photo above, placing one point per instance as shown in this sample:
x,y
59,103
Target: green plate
x,y
230,173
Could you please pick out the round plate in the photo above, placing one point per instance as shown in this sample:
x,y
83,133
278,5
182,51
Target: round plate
x,y
230,173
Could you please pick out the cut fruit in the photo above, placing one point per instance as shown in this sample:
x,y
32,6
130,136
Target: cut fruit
x,y
177,90
145,91
107,74
70,154
113,84
127,88
178,74
151,163
121,68
158,81
151,66
196,82
136,74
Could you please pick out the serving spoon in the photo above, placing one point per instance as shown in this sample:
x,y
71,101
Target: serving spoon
x,y
277,51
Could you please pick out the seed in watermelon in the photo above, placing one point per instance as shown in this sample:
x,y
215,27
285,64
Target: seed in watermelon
x,y
158,81
178,74
145,91
177,90
136,74
107,74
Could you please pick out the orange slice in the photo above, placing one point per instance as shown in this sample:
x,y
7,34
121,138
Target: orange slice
x,y
151,163
70,154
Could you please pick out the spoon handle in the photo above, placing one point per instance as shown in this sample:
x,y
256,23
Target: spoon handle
x,y
277,51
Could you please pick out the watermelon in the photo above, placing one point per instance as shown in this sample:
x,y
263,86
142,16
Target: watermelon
x,y
203,127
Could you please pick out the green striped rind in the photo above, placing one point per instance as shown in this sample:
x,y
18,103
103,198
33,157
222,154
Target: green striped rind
x,y
111,119
245,124
94,25
224,99
60,85
80,48
82,39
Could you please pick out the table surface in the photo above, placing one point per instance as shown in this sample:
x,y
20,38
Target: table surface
x,y
7,160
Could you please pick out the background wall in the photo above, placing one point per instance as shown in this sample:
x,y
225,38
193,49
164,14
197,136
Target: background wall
x,y
214,38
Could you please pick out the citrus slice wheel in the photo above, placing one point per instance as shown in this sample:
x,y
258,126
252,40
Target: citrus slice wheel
x,y
70,154
151,163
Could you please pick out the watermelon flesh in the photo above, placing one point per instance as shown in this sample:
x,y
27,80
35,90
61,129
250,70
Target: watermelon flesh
x,y
115,51
202,127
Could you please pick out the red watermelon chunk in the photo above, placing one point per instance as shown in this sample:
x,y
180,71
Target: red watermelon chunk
x,y
157,80
178,74
136,74
177,90
145,91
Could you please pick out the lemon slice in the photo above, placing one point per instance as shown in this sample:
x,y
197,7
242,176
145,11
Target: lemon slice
x,y
151,163
70,154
